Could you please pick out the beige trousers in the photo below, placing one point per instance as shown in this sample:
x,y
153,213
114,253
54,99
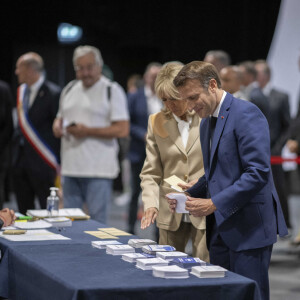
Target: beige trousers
x,y
181,236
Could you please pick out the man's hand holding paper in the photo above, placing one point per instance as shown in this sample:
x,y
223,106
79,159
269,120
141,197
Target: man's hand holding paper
x,y
177,202
199,207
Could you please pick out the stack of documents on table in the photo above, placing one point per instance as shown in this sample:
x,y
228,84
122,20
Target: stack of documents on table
x,y
132,257
139,243
34,235
188,262
72,213
152,249
103,244
170,255
208,271
148,263
38,224
170,272
119,249
59,221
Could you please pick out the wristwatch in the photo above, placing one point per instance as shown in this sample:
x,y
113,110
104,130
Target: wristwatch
x,y
1,223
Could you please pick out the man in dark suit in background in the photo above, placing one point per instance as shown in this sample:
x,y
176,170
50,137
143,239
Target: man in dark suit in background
x,y
6,131
32,174
250,90
140,104
237,193
279,121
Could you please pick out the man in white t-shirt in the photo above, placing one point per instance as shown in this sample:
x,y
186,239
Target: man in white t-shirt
x,y
92,114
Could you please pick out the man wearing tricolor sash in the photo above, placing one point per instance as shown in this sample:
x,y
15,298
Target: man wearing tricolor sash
x,y
36,153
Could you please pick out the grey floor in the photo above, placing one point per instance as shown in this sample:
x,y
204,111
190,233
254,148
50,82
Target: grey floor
x,y
284,269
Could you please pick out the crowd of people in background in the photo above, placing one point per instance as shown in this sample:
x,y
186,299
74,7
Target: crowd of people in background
x,y
72,134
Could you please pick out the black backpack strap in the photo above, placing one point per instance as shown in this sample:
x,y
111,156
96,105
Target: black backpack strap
x,y
108,92
69,87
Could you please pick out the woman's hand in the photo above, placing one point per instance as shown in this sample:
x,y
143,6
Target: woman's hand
x,y
149,217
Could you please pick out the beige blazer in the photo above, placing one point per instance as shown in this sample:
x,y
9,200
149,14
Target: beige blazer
x,y
166,156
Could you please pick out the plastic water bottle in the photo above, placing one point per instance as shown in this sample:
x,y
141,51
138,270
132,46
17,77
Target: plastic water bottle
x,y
53,202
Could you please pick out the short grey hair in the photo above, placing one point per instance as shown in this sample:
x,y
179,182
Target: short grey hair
x,y
222,56
84,50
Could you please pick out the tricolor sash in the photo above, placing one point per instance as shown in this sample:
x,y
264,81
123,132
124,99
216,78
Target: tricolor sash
x,y
31,134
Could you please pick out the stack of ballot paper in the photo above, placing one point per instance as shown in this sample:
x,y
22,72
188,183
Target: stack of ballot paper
x,y
59,221
170,272
38,224
103,244
33,235
132,257
170,255
188,262
152,249
72,213
119,249
139,243
148,263
208,271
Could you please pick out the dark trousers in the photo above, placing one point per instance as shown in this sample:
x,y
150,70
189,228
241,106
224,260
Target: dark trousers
x,y
280,185
253,263
2,187
30,183
136,169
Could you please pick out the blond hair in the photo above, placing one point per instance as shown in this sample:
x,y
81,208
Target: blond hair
x,y
164,86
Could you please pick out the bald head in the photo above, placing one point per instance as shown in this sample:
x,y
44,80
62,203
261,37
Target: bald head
x,y
29,68
230,79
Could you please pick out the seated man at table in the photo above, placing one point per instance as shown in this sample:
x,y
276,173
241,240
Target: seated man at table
x,y
7,217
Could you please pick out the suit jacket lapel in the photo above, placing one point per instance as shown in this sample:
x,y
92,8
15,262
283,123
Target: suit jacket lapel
x,y
223,114
174,134
193,134
205,143
40,94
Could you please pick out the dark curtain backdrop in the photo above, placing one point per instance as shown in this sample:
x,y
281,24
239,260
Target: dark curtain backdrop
x,y
130,34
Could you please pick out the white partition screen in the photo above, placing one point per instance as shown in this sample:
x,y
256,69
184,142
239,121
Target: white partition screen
x,y
284,52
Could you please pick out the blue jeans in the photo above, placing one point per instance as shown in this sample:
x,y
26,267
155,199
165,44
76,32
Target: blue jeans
x,y
96,192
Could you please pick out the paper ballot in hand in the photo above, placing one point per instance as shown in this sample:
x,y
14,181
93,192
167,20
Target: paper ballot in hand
x,y
181,198
173,182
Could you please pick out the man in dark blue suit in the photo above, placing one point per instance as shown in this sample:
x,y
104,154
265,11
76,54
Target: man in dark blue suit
x,y
237,192
32,173
140,105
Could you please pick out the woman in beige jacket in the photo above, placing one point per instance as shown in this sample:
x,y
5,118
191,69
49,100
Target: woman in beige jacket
x,y
173,148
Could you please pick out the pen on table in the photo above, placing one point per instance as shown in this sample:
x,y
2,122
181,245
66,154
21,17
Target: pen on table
x,y
23,218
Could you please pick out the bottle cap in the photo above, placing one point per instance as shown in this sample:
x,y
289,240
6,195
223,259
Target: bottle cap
x,y
53,191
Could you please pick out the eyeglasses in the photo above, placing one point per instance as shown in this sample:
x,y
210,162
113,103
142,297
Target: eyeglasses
x,y
88,68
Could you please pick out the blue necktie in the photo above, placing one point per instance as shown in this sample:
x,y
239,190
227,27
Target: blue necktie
x,y
213,122
26,99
